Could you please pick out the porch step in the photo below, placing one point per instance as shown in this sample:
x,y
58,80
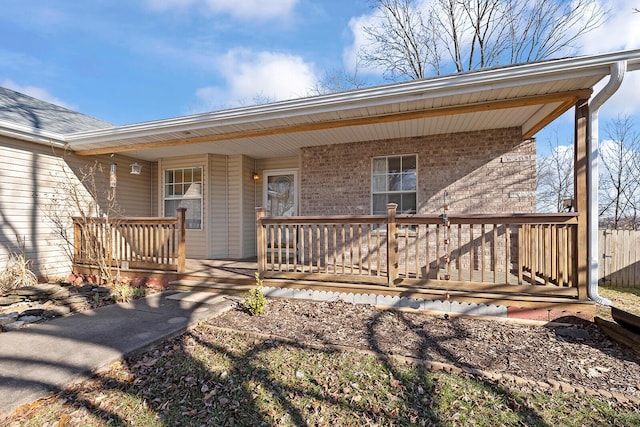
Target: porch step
x,y
227,286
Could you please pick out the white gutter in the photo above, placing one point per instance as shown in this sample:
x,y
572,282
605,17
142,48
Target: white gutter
x,y
27,133
595,66
618,70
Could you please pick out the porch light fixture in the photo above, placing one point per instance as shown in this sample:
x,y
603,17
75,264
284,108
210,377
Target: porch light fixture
x,y
136,168
113,180
255,175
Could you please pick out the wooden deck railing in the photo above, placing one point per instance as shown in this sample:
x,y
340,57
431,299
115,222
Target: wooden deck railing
x,y
521,253
137,243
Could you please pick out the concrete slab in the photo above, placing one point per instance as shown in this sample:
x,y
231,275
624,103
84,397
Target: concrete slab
x,y
43,358
199,297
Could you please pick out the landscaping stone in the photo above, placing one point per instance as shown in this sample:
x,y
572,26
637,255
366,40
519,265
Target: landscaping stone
x,y
22,306
573,333
32,312
60,293
369,299
346,297
57,310
436,305
156,283
411,302
30,291
7,318
323,296
30,319
10,299
388,301
13,326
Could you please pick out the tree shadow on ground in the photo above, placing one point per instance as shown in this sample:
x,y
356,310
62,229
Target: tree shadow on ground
x,y
429,342
209,376
31,363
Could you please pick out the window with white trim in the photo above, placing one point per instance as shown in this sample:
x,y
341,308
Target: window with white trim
x,y
183,189
393,180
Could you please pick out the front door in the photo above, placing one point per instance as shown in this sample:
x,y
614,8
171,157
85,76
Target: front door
x,y
280,192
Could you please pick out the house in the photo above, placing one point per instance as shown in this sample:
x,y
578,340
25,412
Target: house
x,y
453,153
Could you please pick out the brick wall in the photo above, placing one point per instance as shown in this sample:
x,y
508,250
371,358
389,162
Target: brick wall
x,y
484,172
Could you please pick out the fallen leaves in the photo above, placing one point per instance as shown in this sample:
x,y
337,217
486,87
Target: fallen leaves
x,y
213,377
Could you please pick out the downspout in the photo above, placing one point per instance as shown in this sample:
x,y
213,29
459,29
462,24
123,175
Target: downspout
x,y
618,70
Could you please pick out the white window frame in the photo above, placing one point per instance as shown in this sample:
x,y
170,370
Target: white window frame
x,y
372,192
182,197
276,172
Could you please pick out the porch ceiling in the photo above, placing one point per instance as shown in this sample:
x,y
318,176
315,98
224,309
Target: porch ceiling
x,y
527,96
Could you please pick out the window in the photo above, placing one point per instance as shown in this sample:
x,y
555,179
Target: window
x,y
393,180
183,189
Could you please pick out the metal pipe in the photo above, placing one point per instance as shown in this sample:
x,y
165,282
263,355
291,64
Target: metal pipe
x,y
618,70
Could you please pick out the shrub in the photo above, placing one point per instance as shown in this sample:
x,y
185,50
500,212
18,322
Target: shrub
x,y
16,273
255,301
126,293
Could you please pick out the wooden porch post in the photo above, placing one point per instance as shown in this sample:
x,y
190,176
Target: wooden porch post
x,y
261,240
392,245
77,236
182,240
581,202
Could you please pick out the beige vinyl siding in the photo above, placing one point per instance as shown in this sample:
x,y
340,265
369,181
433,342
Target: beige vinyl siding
x,y
235,205
133,191
241,207
154,189
218,207
271,164
35,184
197,241
249,201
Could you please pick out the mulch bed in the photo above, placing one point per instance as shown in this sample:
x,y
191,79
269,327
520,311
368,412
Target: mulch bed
x,y
579,354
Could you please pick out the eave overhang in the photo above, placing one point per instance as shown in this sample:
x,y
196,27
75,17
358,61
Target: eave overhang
x,y
527,96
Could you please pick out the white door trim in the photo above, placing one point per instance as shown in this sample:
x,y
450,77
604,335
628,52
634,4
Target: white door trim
x,y
276,172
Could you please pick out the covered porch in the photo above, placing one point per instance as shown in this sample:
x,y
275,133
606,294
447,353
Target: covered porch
x,y
521,262
346,155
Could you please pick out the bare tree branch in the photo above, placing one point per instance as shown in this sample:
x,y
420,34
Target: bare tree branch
x,y
619,193
412,39
555,177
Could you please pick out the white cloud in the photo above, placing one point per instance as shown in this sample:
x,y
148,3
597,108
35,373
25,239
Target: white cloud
x,y
261,76
36,92
620,32
360,40
626,100
350,53
244,9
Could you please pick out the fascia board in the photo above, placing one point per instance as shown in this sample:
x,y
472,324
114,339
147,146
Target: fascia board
x,y
26,133
596,66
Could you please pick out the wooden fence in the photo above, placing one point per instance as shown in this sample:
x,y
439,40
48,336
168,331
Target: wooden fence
x,y
131,243
619,258
512,252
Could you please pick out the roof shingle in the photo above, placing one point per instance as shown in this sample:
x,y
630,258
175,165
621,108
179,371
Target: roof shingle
x,y
39,116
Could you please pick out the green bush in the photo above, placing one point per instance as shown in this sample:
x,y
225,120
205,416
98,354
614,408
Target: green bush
x,y
255,301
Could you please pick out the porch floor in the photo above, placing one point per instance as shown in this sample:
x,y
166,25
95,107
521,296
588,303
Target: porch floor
x,y
237,276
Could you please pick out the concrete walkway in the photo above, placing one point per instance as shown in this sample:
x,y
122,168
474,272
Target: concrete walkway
x,y
43,358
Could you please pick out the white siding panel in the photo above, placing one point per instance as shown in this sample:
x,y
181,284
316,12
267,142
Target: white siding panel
x,y
218,207
197,242
249,201
35,183
235,206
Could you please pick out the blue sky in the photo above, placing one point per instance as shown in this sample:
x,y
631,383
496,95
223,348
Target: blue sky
x,y
134,61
